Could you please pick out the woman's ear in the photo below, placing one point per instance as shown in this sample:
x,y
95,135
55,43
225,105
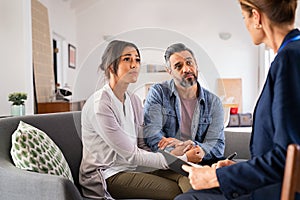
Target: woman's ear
x,y
256,16
111,69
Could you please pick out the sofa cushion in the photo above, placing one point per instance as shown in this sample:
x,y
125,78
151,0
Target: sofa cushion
x,y
33,150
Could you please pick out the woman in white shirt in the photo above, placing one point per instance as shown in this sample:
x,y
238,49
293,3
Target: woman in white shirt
x,y
111,124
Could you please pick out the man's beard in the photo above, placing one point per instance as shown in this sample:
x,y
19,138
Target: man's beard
x,y
188,82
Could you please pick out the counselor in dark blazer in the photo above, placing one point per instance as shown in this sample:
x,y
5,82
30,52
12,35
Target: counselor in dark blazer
x,y
276,115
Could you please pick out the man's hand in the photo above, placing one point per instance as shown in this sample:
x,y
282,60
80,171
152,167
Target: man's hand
x,y
202,177
168,142
195,154
181,148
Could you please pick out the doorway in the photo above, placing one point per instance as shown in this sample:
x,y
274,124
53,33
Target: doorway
x,y
58,54
55,52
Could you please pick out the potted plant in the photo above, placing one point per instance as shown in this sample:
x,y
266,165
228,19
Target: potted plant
x,y
18,100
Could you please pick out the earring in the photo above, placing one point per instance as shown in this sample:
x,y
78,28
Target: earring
x,y
258,26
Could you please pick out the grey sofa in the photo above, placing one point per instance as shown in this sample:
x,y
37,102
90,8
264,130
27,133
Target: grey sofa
x,y
65,130
237,140
17,184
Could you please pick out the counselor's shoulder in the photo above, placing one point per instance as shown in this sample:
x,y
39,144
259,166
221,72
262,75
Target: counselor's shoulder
x,y
287,59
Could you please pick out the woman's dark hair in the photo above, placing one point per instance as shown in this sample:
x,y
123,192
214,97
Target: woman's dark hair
x,y
112,54
175,48
278,11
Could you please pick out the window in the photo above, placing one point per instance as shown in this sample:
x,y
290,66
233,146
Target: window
x,y
266,58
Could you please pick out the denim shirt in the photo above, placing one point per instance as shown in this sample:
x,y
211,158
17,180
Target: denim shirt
x,y
162,118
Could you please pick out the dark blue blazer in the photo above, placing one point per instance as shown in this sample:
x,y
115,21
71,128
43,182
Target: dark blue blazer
x,y
276,124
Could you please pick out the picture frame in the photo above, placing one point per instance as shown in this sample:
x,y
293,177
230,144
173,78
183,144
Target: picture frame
x,y
72,56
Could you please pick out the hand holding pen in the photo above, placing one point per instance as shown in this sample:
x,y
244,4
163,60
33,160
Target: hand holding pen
x,y
228,161
231,156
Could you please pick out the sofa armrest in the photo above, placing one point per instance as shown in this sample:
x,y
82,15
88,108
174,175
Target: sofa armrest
x,y
18,184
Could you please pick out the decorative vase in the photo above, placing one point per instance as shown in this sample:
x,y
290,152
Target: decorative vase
x,y
17,110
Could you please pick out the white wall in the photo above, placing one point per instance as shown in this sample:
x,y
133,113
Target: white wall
x,y
15,52
200,21
85,25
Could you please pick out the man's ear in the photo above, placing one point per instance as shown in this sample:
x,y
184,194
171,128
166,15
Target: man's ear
x,y
168,70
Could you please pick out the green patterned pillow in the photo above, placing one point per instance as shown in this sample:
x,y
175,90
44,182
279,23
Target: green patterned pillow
x,y
33,150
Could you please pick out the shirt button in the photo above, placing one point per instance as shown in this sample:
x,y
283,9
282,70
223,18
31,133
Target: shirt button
x,y
235,195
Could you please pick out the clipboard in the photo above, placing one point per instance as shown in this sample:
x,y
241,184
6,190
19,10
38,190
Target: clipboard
x,y
175,163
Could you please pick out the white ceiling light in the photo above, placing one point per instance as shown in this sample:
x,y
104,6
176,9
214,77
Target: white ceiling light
x,y
225,35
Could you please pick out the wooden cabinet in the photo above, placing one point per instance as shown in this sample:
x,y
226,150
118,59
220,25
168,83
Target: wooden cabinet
x,y
59,106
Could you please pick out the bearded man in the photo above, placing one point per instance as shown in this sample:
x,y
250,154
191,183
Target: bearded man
x,y
180,115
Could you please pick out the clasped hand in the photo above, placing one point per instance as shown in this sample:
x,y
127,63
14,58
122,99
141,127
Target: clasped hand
x,y
194,153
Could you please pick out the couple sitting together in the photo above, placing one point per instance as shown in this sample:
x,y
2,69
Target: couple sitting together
x,y
120,137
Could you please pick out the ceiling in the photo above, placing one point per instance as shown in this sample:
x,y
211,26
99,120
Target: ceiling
x,y
81,5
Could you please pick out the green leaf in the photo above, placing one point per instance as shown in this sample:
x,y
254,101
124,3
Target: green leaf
x,y
19,156
31,144
24,138
41,136
18,98
17,146
47,157
36,141
33,161
42,160
26,163
39,150
34,153
50,166
44,169
25,153
35,169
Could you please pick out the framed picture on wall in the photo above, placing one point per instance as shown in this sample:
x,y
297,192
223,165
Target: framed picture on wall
x,y
72,56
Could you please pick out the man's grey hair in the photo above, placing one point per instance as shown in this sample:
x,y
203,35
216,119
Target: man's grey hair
x,y
175,48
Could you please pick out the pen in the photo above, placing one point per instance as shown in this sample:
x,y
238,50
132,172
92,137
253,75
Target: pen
x,y
231,156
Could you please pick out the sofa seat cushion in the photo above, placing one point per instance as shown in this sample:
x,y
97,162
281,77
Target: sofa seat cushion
x,y
33,150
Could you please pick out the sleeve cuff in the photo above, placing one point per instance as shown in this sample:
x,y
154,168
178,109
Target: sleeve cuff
x,y
183,157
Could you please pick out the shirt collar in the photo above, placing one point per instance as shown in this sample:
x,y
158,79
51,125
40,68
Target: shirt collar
x,y
174,91
112,94
290,35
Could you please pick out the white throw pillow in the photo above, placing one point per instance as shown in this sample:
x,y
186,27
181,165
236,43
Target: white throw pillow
x,y
33,150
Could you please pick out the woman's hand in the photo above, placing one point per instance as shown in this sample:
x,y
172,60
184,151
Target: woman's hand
x,y
202,177
168,142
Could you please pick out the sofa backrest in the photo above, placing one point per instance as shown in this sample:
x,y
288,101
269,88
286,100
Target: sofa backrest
x,y
63,128
237,141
